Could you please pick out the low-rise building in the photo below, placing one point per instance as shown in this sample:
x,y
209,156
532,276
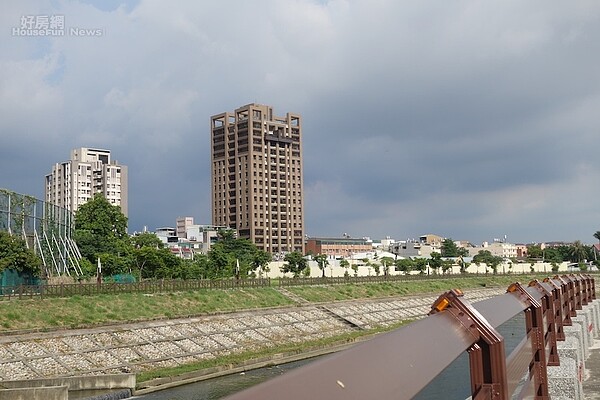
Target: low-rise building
x,y
500,249
521,250
201,237
337,247
431,240
414,248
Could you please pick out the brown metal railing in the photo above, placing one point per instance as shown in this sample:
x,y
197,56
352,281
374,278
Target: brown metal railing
x,y
399,364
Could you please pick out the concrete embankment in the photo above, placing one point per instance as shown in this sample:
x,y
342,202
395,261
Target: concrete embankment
x,y
112,387
142,346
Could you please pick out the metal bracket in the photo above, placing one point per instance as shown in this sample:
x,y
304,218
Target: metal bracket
x,y
549,331
534,321
487,358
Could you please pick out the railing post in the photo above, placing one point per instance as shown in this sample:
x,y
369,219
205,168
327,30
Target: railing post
x,y
487,359
587,280
534,321
567,303
592,287
558,309
571,290
548,331
578,291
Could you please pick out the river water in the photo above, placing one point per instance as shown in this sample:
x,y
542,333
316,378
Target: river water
x,y
452,383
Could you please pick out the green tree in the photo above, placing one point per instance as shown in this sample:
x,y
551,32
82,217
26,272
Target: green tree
x,y
404,264
225,255
146,260
376,266
197,268
322,262
446,265
88,269
113,264
386,262
147,239
226,234
219,262
435,262
449,248
420,264
345,264
462,264
295,263
150,259
15,255
487,258
306,272
553,255
260,260
565,252
170,266
578,252
534,252
101,228
597,236
595,250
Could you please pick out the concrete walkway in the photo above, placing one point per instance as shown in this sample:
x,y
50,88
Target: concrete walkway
x,y
591,383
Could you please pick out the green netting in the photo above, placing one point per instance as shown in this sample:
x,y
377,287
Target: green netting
x,y
10,278
121,278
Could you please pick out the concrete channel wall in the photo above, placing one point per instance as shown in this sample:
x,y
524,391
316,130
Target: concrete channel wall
x,y
132,348
77,387
38,393
105,359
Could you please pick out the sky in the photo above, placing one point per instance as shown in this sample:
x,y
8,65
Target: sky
x,y
466,119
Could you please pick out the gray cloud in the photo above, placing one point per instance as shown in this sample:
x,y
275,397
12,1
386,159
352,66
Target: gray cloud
x,y
469,120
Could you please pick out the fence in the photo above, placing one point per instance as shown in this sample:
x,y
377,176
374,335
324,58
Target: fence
x,y
166,286
401,363
45,228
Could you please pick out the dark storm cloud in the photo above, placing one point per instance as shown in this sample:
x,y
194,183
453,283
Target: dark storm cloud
x,y
468,120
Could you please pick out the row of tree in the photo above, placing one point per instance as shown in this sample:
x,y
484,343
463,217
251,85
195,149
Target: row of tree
x,y
101,234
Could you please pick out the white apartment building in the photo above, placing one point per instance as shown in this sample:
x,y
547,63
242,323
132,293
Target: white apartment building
x,y
89,171
201,237
500,249
413,248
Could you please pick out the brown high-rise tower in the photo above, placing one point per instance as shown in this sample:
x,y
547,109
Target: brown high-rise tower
x,y
257,177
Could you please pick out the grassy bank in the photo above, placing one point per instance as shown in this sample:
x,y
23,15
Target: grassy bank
x,y
85,311
387,289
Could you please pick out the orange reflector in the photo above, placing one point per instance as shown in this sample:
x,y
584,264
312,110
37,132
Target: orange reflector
x,y
458,292
512,288
442,304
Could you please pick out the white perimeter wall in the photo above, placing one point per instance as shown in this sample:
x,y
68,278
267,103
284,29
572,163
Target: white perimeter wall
x,y
334,269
